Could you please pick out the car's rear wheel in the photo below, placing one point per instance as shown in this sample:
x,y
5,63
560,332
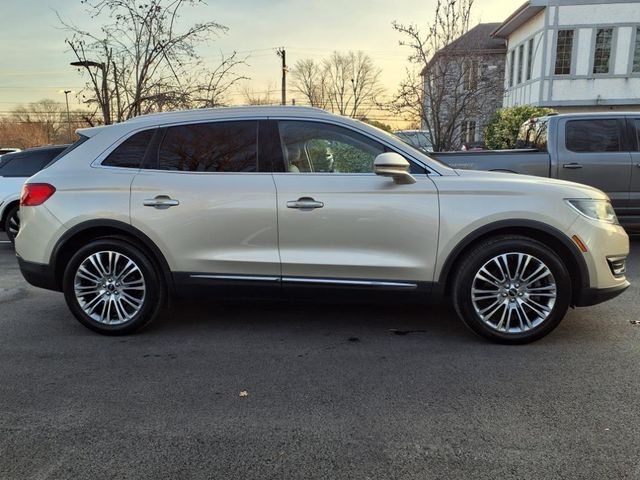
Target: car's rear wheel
x,y
512,289
112,287
12,223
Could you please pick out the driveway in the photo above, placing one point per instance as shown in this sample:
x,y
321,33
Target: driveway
x,y
302,391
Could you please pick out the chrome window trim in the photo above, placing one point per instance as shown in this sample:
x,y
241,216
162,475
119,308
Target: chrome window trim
x,y
97,163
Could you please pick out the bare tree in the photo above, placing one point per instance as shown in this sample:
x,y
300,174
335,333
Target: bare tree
x,y
141,61
309,80
267,97
345,83
353,83
42,123
445,84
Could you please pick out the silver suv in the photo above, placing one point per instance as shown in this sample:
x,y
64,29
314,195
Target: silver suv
x,y
293,201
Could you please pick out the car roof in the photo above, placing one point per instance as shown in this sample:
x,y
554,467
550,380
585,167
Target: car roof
x,y
203,114
34,150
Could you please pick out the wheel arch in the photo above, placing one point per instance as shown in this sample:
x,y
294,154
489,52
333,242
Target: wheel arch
x,y
546,234
78,235
6,207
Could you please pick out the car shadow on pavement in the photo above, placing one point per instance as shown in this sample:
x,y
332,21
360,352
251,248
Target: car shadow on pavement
x,y
351,320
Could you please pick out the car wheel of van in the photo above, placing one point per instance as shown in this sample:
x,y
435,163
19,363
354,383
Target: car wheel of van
x,y
112,287
512,289
12,223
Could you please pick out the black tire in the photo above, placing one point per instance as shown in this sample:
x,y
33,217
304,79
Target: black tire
x,y
514,303
150,295
12,223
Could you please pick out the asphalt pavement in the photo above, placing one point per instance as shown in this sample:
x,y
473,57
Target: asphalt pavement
x,y
304,391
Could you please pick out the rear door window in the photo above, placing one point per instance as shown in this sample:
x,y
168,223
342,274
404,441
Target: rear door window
x,y
595,135
210,147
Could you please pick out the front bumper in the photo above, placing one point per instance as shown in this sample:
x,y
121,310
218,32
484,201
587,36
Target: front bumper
x,y
593,296
38,274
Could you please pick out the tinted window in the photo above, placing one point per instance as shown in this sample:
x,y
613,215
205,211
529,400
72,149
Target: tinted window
x,y
26,164
637,124
318,147
129,154
210,147
594,135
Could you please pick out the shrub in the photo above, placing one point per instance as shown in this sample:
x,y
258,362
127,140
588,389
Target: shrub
x,y
502,130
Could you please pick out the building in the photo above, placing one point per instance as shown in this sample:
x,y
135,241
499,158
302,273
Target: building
x,y
463,86
573,55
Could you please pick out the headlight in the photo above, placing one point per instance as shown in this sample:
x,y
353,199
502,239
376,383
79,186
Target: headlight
x,y
595,209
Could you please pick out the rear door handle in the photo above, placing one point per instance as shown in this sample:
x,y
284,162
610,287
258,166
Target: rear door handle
x,y
572,166
304,203
161,202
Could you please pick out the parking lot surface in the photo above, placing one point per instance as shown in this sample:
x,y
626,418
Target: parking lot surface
x,y
290,390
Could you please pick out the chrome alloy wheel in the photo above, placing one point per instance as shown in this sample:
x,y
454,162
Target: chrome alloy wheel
x,y
109,287
513,292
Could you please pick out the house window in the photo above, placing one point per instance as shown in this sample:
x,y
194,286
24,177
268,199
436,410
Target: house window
x,y
529,59
512,61
564,49
520,62
470,75
636,52
602,55
469,131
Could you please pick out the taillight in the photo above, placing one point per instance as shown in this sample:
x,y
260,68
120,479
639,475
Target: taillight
x,y
35,194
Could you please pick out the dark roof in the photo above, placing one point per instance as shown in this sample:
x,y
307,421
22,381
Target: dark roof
x,y
477,40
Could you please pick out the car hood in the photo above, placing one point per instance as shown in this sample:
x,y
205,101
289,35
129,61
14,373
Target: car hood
x,y
509,181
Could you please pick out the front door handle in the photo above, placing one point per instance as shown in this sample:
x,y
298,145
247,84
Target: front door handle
x,y
304,203
572,166
161,202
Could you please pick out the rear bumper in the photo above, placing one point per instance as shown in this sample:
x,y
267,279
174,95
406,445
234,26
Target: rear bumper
x,y
38,274
593,296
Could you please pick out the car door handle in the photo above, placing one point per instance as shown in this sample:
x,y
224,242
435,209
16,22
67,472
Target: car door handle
x,y
304,203
161,202
572,166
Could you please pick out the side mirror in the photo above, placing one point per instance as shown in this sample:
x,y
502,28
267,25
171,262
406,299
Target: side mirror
x,y
392,165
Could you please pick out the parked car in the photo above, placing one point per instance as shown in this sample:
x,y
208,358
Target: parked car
x,y
419,139
597,149
4,150
15,168
295,201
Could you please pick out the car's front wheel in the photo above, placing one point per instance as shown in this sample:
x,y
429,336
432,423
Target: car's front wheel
x,y
12,223
112,287
512,289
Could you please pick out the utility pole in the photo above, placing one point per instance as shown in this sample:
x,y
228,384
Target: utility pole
x,y
283,55
66,97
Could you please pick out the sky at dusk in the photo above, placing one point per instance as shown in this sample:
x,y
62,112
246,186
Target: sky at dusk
x,y
35,59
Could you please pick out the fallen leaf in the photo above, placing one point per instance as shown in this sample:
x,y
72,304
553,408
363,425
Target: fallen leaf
x,y
635,322
244,393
